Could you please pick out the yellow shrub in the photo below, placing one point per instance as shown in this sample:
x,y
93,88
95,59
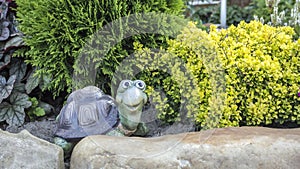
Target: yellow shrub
x,y
262,65
244,75
261,68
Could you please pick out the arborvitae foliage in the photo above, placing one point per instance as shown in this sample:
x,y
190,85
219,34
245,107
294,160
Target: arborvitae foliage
x,y
56,31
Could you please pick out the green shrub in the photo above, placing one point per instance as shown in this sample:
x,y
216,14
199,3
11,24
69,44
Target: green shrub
x,y
56,32
260,68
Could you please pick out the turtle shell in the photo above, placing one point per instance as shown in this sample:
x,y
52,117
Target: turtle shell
x,y
88,112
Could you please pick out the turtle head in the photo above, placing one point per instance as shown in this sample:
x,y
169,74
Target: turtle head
x,y
131,99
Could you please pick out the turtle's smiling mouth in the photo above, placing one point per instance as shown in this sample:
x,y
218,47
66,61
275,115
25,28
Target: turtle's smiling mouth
x,y
132,107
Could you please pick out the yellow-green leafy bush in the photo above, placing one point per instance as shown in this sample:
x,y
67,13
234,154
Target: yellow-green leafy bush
x,y
262,72
246,75
170,85
199,52
174,87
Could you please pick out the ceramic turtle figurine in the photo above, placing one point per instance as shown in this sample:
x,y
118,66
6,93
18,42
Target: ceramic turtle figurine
x,y
89,111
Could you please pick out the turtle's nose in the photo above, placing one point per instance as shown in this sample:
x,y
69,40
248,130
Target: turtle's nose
x,y
133,96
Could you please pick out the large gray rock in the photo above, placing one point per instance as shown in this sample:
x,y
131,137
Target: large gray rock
x,y
25,151
226,148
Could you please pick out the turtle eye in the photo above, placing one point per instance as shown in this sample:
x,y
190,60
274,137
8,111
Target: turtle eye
x,y
140,84
126,84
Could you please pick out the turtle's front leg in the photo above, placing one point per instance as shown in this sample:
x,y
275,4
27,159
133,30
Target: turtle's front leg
x,y
64,144
141,130
115,132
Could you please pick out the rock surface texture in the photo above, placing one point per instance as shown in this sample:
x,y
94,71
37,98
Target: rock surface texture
x,y
26,151
234,148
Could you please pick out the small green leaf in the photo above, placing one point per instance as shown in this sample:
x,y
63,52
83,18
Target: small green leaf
x,y
38,111
34,102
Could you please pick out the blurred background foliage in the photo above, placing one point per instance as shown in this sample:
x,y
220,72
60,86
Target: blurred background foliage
x,y
242,10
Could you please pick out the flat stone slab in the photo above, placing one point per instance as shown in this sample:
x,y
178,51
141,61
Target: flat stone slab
x,y
25,151
240,148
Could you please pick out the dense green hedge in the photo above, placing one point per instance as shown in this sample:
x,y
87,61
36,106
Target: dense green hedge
x,y
244,75
56,32
260,66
